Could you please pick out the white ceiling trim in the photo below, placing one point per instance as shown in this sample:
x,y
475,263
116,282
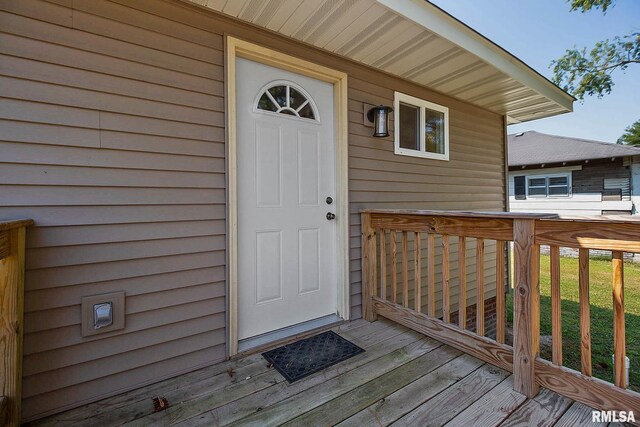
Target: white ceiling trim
x,y
439,22
414,40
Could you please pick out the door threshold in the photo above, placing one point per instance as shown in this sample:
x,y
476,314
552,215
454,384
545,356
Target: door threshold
x,y
288,334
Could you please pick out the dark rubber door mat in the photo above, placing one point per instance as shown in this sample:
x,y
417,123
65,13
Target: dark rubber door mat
x,y
305,357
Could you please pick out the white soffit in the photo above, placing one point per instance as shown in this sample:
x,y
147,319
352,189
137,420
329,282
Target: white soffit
x,y
414,40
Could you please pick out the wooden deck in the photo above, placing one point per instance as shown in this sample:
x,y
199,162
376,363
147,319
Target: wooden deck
x,y
403,378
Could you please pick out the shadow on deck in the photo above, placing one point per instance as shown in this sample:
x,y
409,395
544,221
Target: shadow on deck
x,y
403,378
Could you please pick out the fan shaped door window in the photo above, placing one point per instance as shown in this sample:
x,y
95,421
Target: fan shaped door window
x,y
286,170
287,98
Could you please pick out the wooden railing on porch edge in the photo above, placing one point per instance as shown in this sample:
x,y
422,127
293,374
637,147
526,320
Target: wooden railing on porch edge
x,y
383,295
12,248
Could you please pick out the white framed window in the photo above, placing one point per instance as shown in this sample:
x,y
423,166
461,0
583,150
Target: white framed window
x,y
421,128
556,185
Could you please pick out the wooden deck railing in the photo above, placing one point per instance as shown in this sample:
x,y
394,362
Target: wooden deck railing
x,y
12,245
431,312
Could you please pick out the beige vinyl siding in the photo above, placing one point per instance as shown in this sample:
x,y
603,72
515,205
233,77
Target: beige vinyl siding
x,y
112,140
473,179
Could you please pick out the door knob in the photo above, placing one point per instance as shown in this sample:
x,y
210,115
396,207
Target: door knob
x,y
331,216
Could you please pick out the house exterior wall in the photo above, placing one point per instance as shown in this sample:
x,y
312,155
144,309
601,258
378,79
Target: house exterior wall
x,y
112,118
587,185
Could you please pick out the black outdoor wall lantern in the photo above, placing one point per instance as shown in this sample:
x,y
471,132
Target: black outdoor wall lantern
x,y
380,118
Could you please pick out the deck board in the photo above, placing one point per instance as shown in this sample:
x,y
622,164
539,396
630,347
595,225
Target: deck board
x,y
403,378
390,408
448,404
544,410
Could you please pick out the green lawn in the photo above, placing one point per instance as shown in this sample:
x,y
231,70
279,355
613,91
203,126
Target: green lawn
x,y
601,315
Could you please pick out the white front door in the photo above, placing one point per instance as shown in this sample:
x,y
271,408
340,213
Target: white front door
x,y
286,171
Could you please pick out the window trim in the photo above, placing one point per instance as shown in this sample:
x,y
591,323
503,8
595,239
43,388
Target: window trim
x,y
546,178
421,104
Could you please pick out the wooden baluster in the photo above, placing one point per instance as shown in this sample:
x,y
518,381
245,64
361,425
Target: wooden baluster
x,y
431,278
480,287
394,276
368,235
462,272
526,307
585,311
405,270
619,346
500,291
417,273
446,291
556,311
383,264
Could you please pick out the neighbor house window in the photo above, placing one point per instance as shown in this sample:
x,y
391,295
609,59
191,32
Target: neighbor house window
x,y
616,189
549,186
421,128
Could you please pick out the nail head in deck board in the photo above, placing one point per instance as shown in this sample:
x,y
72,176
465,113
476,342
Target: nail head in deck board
x,y
526,307
350,403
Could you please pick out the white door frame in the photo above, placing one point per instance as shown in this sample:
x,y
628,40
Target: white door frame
x,y
240,48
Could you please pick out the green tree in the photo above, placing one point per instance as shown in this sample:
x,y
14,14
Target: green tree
x,y
581,72
631,135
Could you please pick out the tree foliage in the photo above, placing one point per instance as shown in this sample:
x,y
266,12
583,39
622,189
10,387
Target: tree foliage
x,y
587,5
631,135
584,72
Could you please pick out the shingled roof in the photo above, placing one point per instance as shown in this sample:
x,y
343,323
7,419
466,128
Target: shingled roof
x,y
535,148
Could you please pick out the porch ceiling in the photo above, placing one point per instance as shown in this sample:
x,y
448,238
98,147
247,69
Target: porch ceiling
x,y
415,40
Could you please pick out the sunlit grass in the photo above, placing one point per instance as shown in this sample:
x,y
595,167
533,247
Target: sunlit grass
x,y
601,301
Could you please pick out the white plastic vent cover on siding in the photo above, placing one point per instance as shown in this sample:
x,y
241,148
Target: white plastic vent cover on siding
x,y
622,184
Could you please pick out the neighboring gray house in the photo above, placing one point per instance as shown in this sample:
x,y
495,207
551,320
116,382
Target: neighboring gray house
x,y
550,173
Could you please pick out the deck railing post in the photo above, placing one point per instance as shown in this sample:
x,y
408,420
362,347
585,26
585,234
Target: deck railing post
x,y
12,250
368,234
526,307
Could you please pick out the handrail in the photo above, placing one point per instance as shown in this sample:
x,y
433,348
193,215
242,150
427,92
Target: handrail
x,y
527,232
12,249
